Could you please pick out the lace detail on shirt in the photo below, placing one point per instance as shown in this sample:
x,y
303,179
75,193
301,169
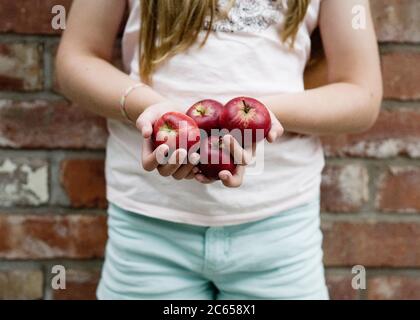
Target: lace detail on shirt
x,y
249,15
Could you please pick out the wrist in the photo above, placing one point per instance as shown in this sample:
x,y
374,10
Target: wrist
x,y
139,100
270,104
277,105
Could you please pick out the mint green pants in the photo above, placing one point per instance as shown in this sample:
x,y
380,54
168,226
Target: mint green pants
x,y
276,258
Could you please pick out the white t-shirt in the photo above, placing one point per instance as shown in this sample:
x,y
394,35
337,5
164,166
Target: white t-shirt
x,y
243,56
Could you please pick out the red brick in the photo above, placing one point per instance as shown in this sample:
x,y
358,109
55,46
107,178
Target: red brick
x,y
52,236
344,188
80,285
21,284
43,124
394,287
21,66
397,132
399,190
23,182
29,16
400,76
339,287
84,182
372,243
396,20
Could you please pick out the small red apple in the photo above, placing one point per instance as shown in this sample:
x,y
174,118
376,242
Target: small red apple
x,y
248,115
177,130
206,114
214,157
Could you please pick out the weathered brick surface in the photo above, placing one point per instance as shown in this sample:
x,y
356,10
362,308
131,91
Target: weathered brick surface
x,y
48,124
48,236
339,287
372,243
23,182
394,287
399,190
21,284
396,20
397,132
84,182
344,188
382,240
80,285
21,66
400,76
29,16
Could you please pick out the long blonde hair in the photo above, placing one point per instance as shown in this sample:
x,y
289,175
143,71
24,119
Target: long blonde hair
x,y
169,27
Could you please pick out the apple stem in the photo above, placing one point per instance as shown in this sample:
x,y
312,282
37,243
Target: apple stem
x,y
247,107
167,127
201,110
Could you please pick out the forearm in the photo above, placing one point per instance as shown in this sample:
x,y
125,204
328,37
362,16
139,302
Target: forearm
x,y
96,85
331,109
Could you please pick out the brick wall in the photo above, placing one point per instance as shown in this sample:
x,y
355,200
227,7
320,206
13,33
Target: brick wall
x,y
52,205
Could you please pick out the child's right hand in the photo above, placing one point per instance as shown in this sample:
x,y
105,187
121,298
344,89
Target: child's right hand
x,y
179,165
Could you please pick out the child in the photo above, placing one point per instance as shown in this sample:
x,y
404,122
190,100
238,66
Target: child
x,y
173,233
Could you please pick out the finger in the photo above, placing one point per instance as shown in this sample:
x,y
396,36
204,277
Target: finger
x,y
276,129
193,173
203,179
145,123
275,132
232,180
152,158
240,155
174,163
145,127
186,170
190,176
183,171
194,158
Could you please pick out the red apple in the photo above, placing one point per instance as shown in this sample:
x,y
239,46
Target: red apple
x,y
248,115
214,157
177,130
206,114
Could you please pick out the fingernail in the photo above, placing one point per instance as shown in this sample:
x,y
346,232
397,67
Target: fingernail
x,y
183,153
195,170
224,176
145,133
195,158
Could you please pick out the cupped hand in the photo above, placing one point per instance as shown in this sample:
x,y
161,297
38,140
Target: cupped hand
x,y
243,157
276,130
179,164
148,117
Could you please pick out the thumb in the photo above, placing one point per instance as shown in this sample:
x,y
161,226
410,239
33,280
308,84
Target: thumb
x,y
145,125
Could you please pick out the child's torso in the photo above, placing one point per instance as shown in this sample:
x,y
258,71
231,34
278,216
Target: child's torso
x,y
242,56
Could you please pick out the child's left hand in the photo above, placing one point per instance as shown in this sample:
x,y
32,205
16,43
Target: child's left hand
x,y
245,156
276,130
242,157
